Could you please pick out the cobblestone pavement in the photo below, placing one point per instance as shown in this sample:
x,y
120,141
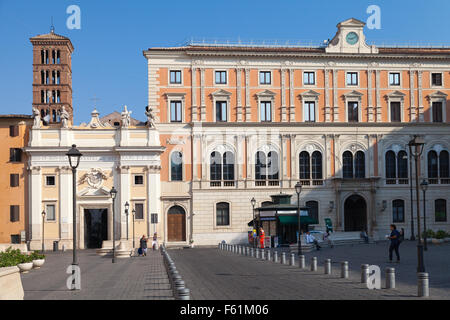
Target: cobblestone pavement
x,y
136,278
214,274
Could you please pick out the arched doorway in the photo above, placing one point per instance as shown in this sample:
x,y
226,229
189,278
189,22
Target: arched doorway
x,y
355,213
176,224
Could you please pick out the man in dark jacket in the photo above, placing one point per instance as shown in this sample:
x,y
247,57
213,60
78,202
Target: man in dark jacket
x,y
394,237
143,245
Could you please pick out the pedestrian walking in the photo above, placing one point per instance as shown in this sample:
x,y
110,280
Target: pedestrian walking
x,y
143,245
394,237
310,239
326,237
155,241
261,238
364,236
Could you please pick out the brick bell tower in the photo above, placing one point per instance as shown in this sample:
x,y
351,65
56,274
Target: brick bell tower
x,y
52,76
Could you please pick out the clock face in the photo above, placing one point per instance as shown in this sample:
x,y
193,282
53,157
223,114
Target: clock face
x,y
352,38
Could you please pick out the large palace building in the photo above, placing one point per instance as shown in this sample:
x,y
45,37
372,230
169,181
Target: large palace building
x,y
243,121
228,123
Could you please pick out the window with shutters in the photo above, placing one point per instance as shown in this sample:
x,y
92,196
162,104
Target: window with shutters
x,y
13,131
50,212
14,179
398,210
139,207
437,111
440,210
14,213
436,79
15,155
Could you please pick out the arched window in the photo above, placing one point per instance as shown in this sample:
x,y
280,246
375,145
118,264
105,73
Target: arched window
x,y
347,165
432,164
316,164
228,166
444,164
216,166
260,166
272,166
360,165
402,165
398,210
313,207
176,166
222,214
440,210
304,166
390,165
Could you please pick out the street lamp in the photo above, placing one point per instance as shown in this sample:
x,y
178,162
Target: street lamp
x,y
74,156
298,189
113,194
412,238
127,206
424,186
253,202
134,214
43,231
418,143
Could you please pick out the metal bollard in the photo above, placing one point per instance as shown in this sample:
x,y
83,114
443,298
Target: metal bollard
x,y
183,294
301,261
314,264
275,256
257,254
390,278
344,269
241,250
423,289
364,273
327,269
178,284
268,255
263,254
292,261
247,251
283,258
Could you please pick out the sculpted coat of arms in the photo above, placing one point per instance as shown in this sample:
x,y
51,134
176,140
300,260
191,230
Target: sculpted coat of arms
x,y
94,178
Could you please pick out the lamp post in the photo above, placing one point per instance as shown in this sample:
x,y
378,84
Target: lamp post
x,y
253,202
134,214
127,206
43,231
424,186
113,194
416,149
298,189
74,156
412,238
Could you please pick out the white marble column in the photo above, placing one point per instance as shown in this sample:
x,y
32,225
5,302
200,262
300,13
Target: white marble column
x,y
194,94
123,197
239,94
65,203
247,95
35,219
154,198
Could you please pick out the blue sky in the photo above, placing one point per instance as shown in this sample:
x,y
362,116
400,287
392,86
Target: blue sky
x,y
108,61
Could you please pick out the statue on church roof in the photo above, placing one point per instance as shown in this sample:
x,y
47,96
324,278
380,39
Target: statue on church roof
x,y
126,118
64,117
150,117
37,118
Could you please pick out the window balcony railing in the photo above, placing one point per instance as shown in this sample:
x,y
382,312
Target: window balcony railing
x,y
313,182
397,181
438,180
270,183
226,183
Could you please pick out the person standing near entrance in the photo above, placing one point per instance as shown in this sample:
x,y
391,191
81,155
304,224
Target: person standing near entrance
x,y
394,237
261,238
143,245
155,241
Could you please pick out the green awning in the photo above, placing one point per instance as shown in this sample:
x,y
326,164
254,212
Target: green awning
x,y
285,219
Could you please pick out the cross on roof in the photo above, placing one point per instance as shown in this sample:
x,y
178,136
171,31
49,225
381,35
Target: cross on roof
x,y
95,99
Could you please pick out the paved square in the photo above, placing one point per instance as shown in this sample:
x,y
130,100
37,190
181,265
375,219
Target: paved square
x,y
215,274
136,278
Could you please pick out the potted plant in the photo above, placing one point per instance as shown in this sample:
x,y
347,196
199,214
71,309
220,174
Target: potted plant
x,y
440,235
25,262
430,234
38,259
